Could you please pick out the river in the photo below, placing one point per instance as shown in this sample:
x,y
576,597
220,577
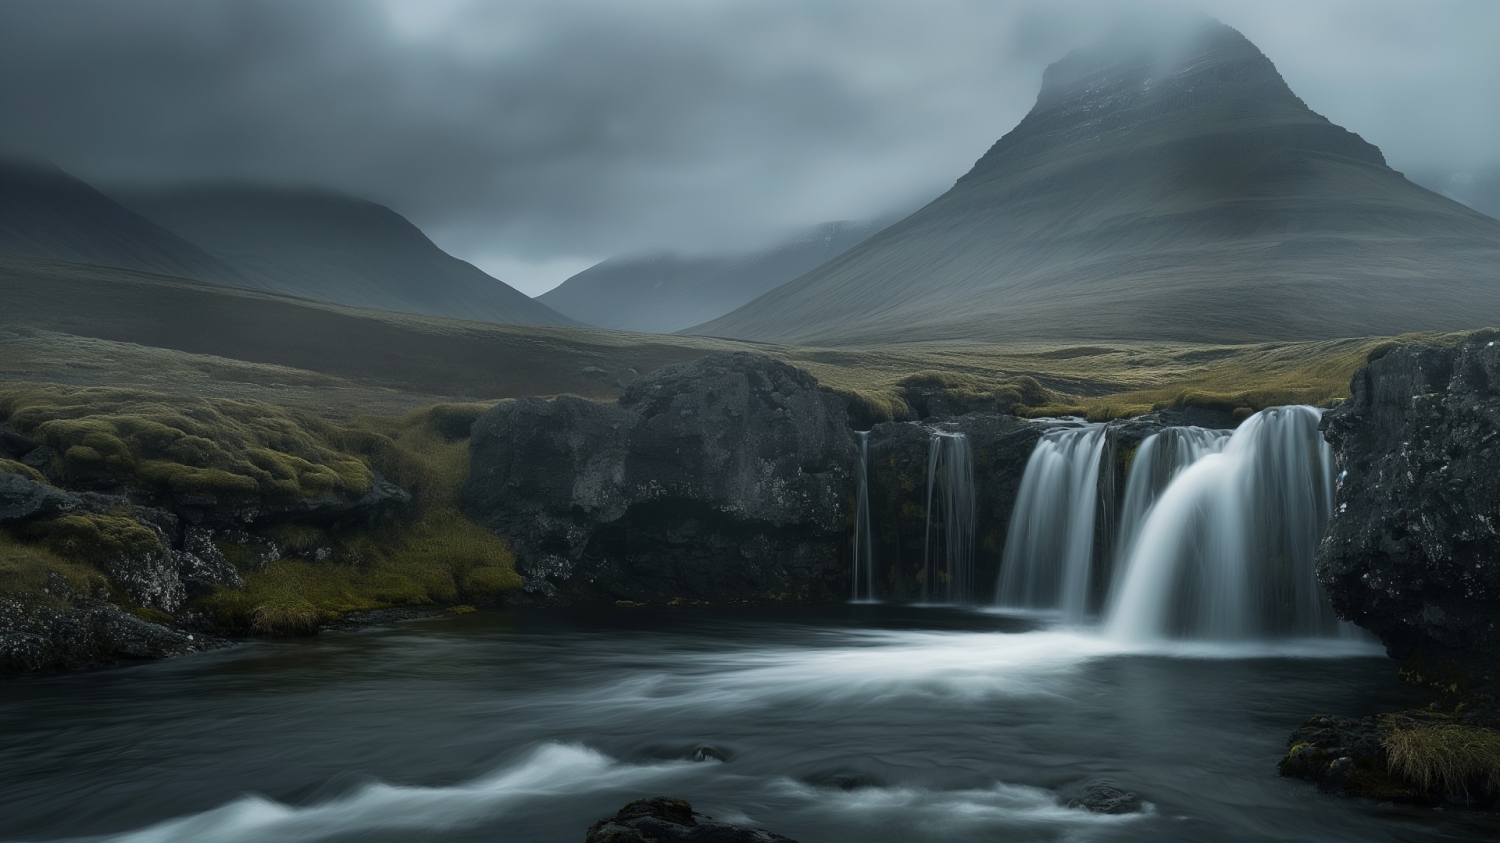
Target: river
x,y
846,723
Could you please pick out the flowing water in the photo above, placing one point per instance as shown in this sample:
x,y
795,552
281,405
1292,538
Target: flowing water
x,y
844,724
1228,550
1049,549
948,545
863,579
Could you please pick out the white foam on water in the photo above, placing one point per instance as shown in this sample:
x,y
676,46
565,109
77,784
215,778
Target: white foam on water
x,y
552,770
941,812
866,665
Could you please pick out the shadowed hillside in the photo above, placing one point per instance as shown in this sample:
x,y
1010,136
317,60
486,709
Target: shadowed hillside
x,y
666,293
1188,197
46,213
335,248
407,352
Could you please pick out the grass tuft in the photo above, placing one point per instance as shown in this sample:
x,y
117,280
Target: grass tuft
x,y
1442,755
26,567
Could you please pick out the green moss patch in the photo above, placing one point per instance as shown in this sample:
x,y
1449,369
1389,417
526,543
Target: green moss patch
x,y
222,447
93,538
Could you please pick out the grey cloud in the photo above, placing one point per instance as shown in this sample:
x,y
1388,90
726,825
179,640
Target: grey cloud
x,y
567,130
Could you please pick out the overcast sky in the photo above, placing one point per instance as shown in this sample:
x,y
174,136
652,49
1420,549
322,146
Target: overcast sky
x,y
536,138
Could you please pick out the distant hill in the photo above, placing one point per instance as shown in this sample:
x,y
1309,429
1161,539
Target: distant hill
x,y
1184,196
46,213
410,352
663,293
334,248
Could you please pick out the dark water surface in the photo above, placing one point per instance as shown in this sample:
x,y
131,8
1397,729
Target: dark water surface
x,y
853,723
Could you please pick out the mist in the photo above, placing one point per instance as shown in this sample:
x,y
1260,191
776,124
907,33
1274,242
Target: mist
x,y
536,138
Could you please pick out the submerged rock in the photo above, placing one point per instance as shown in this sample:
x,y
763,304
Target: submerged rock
x,y
728,478
666,820
1413,552
1107,799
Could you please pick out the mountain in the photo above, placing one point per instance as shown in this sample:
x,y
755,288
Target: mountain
x,y
1480,191
332,247
46,213
663,293
1156,195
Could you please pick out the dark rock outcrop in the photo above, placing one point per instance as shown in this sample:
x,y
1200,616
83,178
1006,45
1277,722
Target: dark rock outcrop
x,y
22,499
1344,756
43,637
1104,798
728,478
667,820
898,454
1413,552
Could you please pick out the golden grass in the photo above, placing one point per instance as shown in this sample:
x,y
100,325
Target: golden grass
x,y
1101,382
1442,755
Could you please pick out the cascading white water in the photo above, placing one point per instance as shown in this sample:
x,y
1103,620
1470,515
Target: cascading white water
x,y
1227,550
864,536
948,542
1049,551
1158,460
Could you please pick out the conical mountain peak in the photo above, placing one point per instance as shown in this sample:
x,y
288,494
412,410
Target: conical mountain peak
x,y
1144,88
1170,187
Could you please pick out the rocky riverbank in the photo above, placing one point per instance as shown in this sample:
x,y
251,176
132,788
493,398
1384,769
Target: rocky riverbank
x,y
1413,555
131,527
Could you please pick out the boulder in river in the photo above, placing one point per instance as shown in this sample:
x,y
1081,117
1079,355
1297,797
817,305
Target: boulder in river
x,y
727,478
666,820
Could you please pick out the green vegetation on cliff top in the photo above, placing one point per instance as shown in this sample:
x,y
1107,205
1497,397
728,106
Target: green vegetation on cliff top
x,y
238,449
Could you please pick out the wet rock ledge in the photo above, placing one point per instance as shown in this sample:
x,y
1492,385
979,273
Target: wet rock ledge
x,y
731,457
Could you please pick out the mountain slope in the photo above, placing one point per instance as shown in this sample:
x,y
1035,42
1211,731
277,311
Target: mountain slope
x,y
46,213
1191,197
665,293
1480,191
335,248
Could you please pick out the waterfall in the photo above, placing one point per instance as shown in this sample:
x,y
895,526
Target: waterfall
x,y
1049,551
1158,460
948,541
864,536
1227,550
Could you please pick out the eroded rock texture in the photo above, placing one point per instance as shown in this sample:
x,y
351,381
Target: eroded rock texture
x,y
1413,552
664,819
728,478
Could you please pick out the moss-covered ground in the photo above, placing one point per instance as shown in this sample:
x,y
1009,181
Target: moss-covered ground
x,y
237,449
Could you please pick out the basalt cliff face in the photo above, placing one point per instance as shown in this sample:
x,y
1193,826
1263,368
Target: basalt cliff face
x,y
724,479
1413,552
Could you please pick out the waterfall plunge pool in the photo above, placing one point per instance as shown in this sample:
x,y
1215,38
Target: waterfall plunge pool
x,y
827,724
